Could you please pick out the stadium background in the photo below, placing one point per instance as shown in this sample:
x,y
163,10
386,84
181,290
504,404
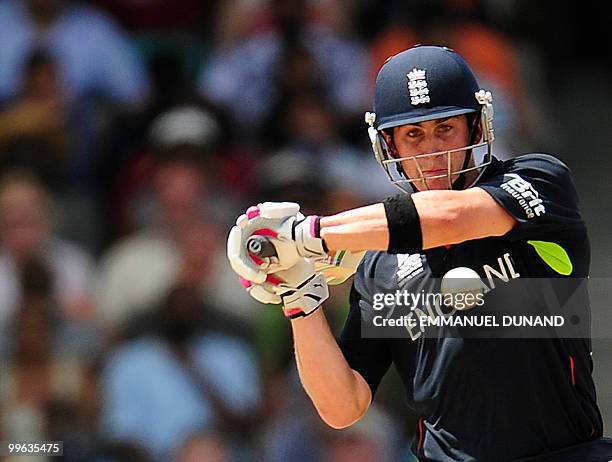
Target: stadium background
x,y
132,133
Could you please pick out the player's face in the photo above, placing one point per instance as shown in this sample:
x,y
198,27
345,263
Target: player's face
x,y
440,135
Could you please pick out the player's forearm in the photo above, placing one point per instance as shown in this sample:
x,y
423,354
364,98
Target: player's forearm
x,y
363,228
446,217
441,214
451,217
340,395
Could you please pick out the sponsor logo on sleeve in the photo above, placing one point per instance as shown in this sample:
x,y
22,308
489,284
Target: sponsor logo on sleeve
x,y
525,194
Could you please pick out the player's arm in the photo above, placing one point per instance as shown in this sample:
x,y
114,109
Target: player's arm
x,y
446,217
340,395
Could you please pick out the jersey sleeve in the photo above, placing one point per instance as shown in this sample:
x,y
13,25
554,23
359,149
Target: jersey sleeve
x,y
370,357
538,191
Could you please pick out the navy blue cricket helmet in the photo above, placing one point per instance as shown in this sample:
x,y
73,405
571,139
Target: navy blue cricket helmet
x,y
426,83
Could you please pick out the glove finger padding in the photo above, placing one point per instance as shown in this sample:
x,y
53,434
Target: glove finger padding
x,y
271,219
263,295
278,210
240,262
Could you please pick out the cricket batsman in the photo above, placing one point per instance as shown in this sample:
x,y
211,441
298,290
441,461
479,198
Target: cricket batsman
x,y
479,399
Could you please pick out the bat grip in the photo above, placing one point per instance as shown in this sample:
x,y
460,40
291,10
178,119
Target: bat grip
x,y
261,246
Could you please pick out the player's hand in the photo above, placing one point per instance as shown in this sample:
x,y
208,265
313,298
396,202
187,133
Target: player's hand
x,y
292,235
299,289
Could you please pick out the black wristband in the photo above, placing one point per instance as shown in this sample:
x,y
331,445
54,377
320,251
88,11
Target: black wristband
x,y
405,234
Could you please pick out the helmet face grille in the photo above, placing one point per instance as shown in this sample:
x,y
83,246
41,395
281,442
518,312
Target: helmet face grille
x,y
424,83
395,173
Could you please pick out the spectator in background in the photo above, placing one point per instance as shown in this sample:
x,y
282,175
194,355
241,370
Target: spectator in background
x,y
293,175
158,15
27,233
93,54
248,74
188,135
132,145
172,202
97,74
182,377
37,373
305,124
203,447
98,71
34,127
36,134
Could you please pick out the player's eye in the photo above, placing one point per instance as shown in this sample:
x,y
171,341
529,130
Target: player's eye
x,y
415,133
444,128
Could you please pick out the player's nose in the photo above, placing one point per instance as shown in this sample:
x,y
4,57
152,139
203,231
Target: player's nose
x,y
431,144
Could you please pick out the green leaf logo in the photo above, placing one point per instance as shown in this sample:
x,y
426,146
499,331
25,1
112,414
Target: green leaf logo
x,y
554,255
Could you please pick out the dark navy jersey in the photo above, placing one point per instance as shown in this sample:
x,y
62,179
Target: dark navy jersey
x,y
491,399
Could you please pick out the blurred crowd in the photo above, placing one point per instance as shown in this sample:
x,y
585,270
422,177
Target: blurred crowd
x,y
132,134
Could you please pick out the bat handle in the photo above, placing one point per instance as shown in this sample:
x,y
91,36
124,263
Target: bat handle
x,y
261,246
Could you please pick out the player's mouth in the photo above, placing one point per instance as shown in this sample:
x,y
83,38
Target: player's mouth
x,y
435,171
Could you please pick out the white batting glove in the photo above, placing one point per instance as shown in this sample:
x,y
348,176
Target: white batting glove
x,y
299,289
292,235
336,268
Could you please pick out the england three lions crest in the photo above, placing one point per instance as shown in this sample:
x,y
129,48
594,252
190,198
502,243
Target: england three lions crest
x,y
417,87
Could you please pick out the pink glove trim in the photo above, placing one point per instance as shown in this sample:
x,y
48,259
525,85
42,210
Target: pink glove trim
x,y
258,261
245,282
252,212
313,222
273,280
265,232
293,312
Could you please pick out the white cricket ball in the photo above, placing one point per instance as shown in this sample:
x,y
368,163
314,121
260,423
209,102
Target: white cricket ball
x,y
459,282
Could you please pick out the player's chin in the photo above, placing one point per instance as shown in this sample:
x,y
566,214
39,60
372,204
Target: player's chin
x,y
435,184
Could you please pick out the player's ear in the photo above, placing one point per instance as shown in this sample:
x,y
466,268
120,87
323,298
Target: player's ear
x,y
388,137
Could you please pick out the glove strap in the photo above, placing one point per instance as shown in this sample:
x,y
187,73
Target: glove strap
x,y
306,298
307,236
